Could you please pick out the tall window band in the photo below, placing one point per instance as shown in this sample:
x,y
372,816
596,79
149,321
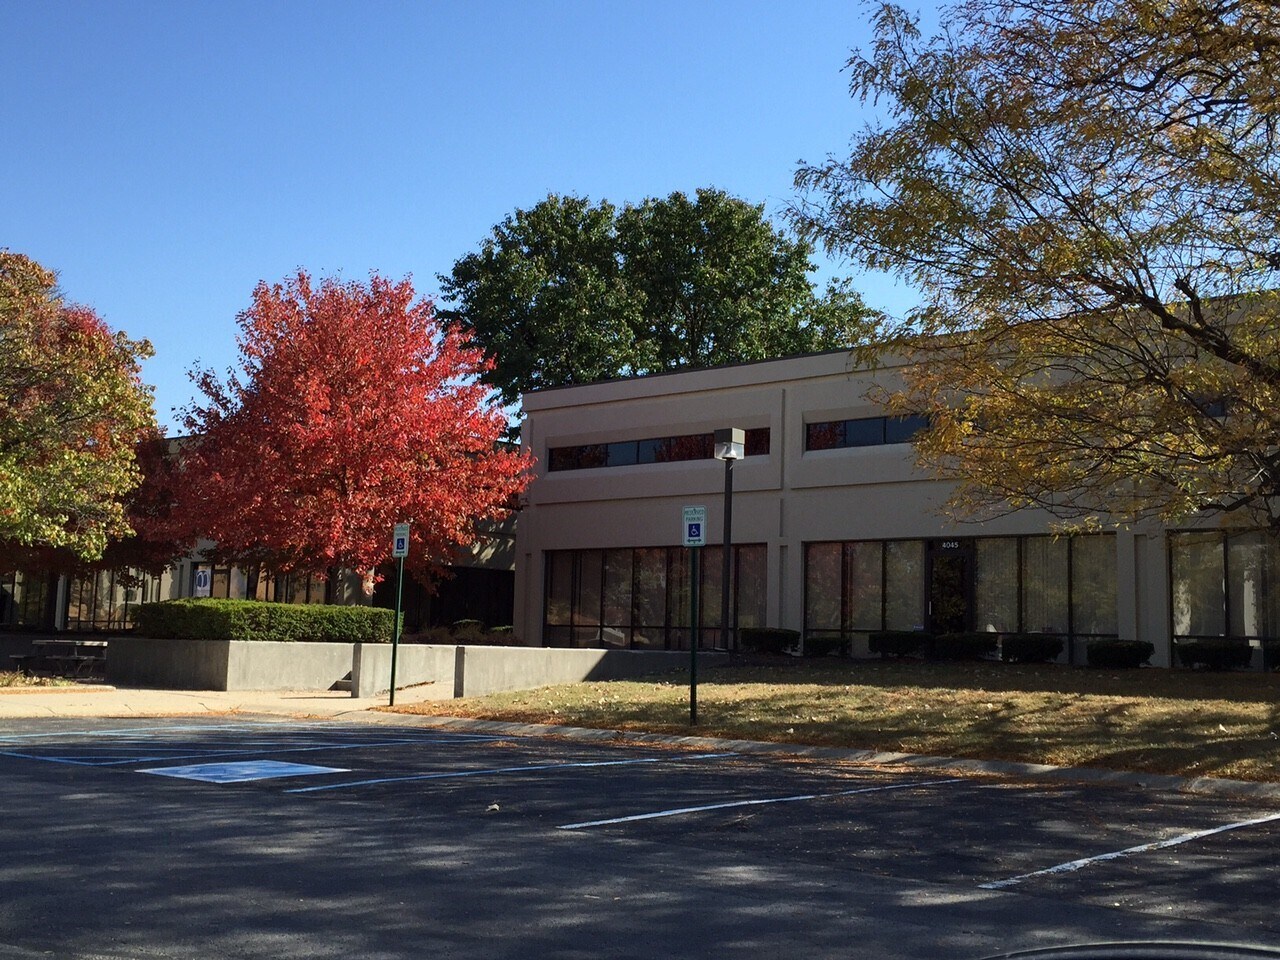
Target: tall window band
x,y
639,597
626,453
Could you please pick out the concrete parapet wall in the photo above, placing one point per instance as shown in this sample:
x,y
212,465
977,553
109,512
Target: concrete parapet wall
x,y
417,664
168,664
440,671
482,670
226,664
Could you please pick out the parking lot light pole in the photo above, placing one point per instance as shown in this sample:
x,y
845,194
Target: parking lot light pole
x,y
730,445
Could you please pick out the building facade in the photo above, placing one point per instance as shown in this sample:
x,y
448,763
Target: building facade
x,y
836,532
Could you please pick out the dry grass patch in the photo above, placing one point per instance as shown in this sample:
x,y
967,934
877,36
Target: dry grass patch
x,y
1162,721
12,679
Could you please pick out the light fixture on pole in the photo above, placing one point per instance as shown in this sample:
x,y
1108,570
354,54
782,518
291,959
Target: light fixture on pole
x,y
730,445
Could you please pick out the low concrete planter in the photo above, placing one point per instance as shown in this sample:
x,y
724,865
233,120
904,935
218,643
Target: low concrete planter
x,y
450,671
226,664
474,671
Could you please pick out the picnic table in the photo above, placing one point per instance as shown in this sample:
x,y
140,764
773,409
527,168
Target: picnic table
x,y
63,657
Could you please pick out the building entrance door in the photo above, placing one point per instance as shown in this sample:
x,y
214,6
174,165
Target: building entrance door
x,y
950,586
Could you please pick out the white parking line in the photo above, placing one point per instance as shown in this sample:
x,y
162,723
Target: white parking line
x,y
528,768
678,811
1074,865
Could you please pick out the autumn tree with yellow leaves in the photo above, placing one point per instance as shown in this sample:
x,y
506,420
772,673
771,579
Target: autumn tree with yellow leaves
x,y
1088,195
73,409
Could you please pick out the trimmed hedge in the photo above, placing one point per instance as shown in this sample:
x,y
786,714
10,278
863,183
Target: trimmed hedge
x,y
209,619
1227,653
825,646
963,646
1118,653
1030,647
897,643
767,639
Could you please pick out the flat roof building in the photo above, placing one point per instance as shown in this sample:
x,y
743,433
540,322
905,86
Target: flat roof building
x,y
836,532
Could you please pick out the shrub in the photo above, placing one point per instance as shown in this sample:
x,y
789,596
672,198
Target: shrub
x,y
1118,653
467,633
963,646
767,639
825,646
1030,647
208,619
1226,653
896,643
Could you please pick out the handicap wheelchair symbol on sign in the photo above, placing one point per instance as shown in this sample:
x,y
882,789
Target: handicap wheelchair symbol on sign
x,y
695,522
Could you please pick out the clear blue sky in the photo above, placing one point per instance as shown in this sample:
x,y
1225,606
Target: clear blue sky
x,y
163,157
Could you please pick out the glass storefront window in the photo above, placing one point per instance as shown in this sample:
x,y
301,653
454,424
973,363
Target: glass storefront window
x,y
864,584
1093,585
617,587
1044,584
1199,608
822,586
1247,569
559,588
1019,584
752,589
995,588
904,585
640,597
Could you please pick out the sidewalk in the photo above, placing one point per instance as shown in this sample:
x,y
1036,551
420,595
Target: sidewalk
x,y
94,700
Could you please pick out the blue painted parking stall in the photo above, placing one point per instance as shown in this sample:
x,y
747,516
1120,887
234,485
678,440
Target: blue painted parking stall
x,y
215,743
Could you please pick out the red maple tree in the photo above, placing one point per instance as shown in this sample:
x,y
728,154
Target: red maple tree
x,y
353,410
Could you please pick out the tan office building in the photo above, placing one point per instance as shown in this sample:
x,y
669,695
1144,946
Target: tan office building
x,y
835,532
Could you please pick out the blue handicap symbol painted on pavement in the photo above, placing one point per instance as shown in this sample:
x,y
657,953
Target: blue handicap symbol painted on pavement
x,y
242,771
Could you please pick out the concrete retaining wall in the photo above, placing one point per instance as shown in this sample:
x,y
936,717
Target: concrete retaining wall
x,y
445,671
417,664
482,670
226,664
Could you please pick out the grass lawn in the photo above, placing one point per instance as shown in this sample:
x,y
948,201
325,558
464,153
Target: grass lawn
x,y
1164,721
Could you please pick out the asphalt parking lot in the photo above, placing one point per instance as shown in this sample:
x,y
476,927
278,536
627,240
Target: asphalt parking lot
x,y
244,838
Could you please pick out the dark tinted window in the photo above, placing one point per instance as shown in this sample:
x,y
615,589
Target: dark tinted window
x,y
902,429
693,446
864,432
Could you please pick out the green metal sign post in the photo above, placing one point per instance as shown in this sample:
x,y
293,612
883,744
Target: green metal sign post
x,y
399,550
694,537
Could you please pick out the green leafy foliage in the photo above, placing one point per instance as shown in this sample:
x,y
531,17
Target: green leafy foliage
x,y
897,643
1120,654
825,646
767,639
210,619
72,409
569,292
1088,197
1030,647
1225,653
962,646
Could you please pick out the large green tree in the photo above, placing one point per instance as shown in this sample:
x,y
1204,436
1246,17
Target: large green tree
x,y
1088,194
570,292
72,410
